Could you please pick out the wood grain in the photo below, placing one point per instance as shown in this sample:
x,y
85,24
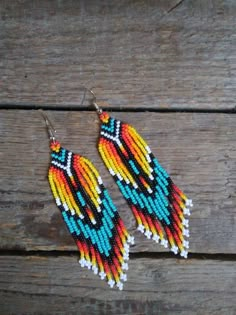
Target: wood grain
x,y
142,54
198,150
139,55
51,285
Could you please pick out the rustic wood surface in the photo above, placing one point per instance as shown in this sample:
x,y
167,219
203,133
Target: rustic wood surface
x,y
56,285
139,54
148,61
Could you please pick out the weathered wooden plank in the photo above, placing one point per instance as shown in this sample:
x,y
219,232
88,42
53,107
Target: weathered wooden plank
x,y
199,150
137,54
44,285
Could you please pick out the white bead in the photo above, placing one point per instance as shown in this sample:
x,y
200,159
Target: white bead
x,y
119,176
89,265
174,249
123,276
148,234
98,190
102,275
118,142
164,243
111,171
126,247
95,270
156,238
130,240
126,251
100,180
82,262
185,232
148,158
65,206
184,253
68,171
120,285
186,222
111,283
151,177
140,228
125,266
186,244
58,201
189,202
126,256
186,211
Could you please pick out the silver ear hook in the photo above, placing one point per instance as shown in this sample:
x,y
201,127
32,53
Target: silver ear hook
x,y
51,130
94,100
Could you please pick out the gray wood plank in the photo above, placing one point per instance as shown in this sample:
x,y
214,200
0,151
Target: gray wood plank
x,y
198,150
146,54
58,285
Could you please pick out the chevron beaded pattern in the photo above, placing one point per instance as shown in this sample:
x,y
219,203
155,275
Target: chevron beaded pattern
x,y
90,215
158,205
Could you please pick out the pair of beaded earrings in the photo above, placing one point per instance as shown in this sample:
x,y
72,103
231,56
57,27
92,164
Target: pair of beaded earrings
x,y
92,219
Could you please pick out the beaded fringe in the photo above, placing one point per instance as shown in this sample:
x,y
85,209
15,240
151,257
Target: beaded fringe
x,y
158,205
90,215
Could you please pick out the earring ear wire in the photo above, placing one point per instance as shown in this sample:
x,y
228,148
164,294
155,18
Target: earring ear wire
x,y
50,128
94,100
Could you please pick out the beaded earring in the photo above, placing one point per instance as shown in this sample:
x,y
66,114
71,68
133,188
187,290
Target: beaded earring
x,y
89,213
158,205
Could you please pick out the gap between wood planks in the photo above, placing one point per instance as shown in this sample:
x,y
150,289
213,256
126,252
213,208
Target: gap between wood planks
x,y
115,109
150,255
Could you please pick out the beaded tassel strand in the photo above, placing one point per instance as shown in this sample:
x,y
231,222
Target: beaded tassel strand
x,y
89,213
158,205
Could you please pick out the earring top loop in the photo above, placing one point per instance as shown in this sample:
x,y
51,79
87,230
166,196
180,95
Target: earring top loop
x,y
94,100
50,128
